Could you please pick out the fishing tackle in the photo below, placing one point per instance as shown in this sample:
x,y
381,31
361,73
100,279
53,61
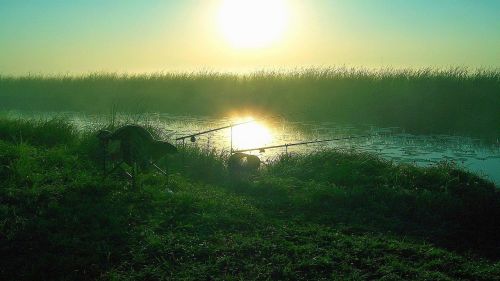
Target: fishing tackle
x,y
239,163
134,146
192,137
286,145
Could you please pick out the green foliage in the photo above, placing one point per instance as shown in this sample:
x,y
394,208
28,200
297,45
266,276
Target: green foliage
x,y
331,215
455,101
42,132
199,163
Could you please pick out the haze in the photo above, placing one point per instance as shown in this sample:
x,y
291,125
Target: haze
x,y
54,37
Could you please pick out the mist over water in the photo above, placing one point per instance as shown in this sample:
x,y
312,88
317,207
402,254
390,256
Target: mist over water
x,y
391,143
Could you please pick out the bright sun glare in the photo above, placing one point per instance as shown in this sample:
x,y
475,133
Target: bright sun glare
x,y
250,135
252,23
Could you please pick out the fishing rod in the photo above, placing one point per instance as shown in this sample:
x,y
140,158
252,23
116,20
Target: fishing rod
x,y
192,137
286,145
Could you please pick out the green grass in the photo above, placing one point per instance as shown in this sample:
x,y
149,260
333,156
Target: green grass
x,y
451,101
331,215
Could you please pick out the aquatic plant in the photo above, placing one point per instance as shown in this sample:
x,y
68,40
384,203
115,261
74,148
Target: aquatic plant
x,y
452,101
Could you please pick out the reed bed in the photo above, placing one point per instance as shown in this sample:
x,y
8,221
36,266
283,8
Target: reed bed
x,y
452,101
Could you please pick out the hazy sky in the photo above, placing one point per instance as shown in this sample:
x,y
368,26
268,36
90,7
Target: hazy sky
x,y
75,36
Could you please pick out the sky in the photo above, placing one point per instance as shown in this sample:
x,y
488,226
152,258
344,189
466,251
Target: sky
x,y
82,36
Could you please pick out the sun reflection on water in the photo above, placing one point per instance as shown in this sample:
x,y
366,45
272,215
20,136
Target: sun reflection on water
x,y
251,135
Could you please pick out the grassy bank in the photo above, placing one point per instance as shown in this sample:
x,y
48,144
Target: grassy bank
x,y
332,215
453,101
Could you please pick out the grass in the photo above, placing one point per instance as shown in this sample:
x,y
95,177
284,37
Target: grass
x,y
330,215
451,101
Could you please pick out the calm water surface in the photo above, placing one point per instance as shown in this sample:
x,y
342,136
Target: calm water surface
x,y
390,143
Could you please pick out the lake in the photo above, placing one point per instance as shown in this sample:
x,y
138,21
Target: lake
x,y
391,143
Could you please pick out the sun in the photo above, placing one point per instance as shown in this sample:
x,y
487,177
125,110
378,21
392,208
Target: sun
x,y
250,135
252,23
